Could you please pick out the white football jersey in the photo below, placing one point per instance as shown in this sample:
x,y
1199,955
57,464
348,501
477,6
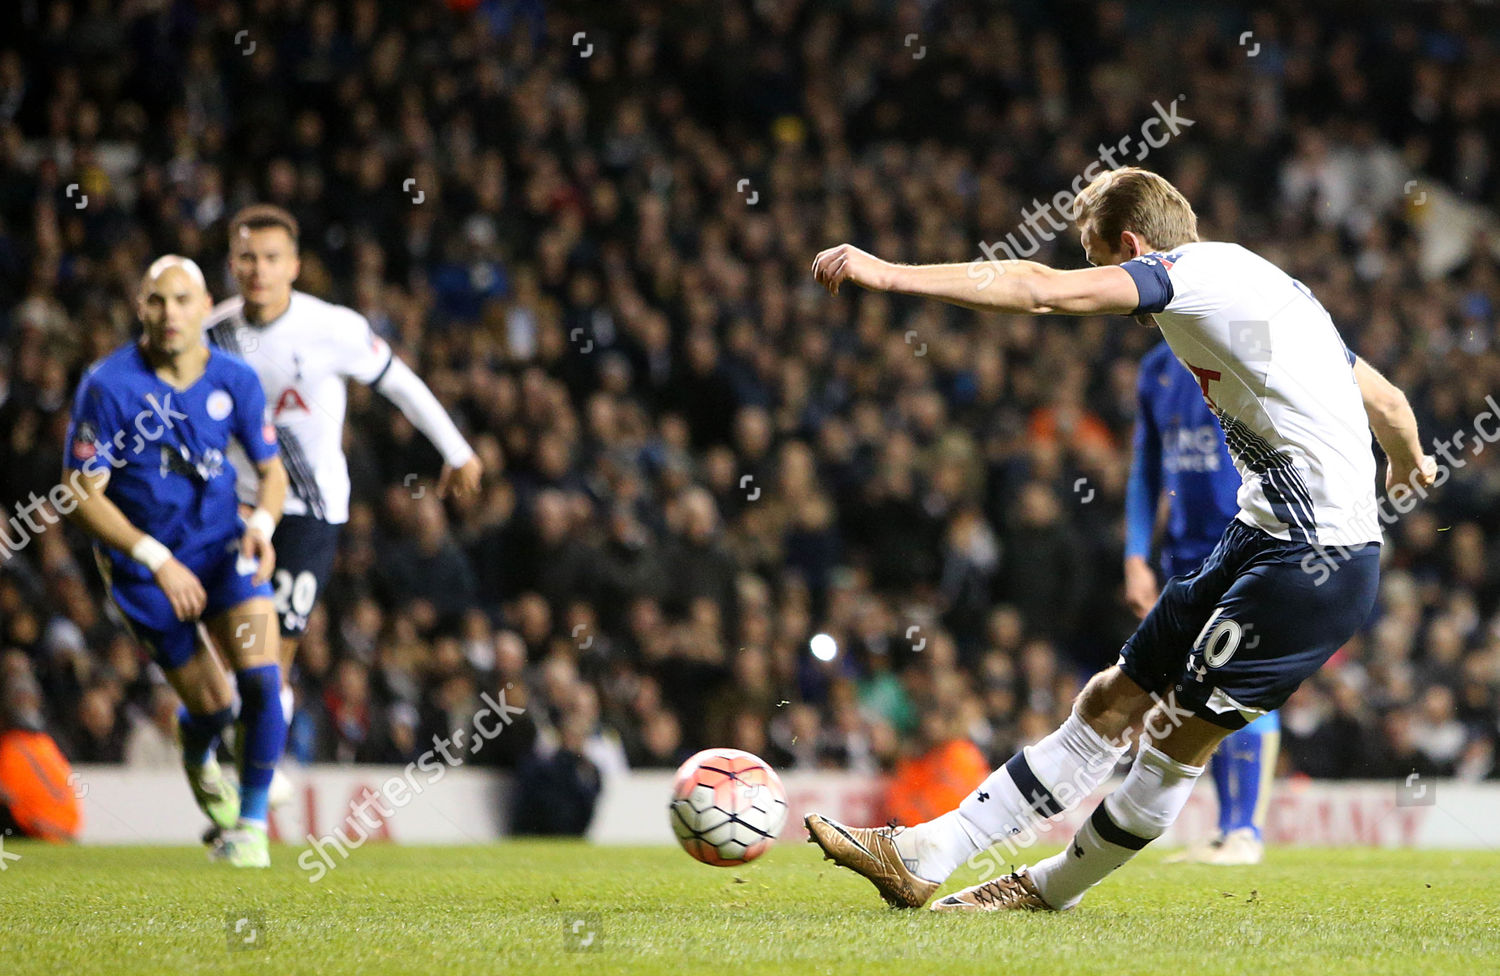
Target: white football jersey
x,y
304,360
1275,371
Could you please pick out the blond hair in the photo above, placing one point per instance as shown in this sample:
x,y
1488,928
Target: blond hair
x,y
1135,199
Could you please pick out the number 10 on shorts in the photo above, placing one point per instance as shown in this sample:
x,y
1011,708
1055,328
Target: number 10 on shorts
x,y
1219,639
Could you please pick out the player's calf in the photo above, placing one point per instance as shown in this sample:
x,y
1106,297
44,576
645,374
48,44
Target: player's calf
x,y
1146,804
1039,782
1151,797
907,865
247,633
201,721
264,731
214,794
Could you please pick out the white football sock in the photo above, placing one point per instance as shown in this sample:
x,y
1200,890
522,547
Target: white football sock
x,y
1039,781
933,849
288,703
1131,817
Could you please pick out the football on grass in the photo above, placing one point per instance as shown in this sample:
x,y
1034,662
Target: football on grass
x,y
727,806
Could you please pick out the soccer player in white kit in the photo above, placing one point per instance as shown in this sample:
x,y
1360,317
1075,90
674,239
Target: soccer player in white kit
x,y
1291,580
305,350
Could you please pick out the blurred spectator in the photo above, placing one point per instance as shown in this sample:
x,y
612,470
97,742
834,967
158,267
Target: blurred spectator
x,y
942,769
661,743
1437,734
98,735
429,569
555,791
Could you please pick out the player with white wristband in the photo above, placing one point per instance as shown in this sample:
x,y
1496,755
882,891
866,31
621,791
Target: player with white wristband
x,y
146,457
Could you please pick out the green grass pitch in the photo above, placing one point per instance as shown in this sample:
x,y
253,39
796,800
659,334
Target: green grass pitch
x,y
529,907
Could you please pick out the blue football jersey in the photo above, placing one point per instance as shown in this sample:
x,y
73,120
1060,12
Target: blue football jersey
x,y
1179,448
164,448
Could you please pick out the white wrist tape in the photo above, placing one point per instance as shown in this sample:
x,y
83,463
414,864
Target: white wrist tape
x,y
150,553
261,521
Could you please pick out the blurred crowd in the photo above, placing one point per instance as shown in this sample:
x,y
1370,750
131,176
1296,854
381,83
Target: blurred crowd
x,y
589,227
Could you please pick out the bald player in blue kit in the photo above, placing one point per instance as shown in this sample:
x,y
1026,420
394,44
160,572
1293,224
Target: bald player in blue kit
x,y
147,469
1179,450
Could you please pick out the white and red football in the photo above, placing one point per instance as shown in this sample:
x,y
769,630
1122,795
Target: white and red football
x,y
727,806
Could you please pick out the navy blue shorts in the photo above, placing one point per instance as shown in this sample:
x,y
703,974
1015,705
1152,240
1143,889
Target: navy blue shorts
x,y
227,581
305,548
1260,616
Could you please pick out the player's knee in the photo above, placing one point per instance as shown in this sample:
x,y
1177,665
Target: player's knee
x,y
200,685
1112,702
205,698
1185,738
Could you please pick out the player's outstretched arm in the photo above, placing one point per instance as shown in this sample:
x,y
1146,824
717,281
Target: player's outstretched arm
x,y
261,525
462,469
1395,427
103,520
1013,287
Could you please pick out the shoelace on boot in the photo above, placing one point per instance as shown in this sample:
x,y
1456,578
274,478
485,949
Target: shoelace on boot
x,y
1002,892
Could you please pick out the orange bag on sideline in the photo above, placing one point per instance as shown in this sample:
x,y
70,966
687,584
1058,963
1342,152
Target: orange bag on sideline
x,y
35,776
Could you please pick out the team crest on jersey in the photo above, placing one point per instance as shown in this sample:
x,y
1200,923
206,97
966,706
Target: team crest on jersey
x,y
220,404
